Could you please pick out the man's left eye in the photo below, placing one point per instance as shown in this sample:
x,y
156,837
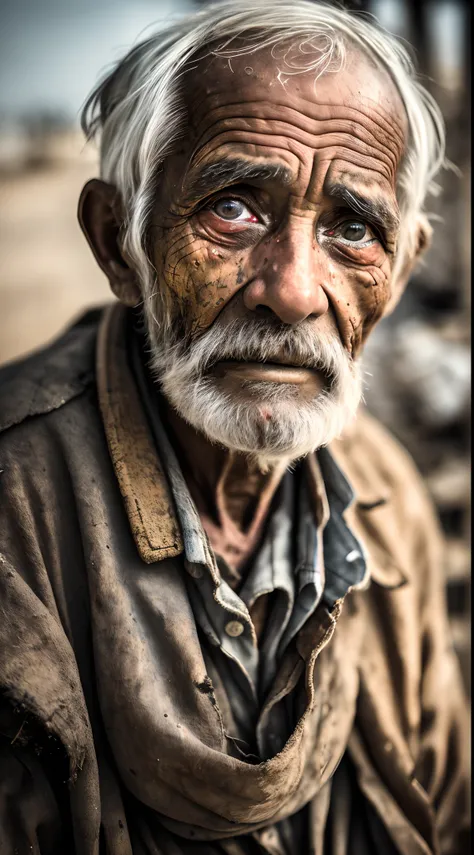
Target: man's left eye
x,y
353,231
234,210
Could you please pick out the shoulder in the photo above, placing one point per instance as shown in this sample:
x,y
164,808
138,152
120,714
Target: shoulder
x,y
47,379
376,463
52,448
393,512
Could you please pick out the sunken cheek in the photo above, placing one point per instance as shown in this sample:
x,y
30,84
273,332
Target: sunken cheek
x,y
205,261
201,262
359,302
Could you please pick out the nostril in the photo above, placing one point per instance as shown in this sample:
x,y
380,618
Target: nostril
x,y
263,310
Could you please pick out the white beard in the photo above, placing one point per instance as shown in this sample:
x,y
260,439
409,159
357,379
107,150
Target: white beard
x,y
273,424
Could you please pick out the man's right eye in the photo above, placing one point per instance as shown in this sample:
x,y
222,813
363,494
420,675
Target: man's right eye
x,y
234,210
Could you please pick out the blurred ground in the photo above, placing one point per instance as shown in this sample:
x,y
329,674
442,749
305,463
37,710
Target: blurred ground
x,y
47,273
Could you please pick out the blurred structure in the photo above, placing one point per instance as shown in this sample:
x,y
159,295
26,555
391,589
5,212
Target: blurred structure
x,y
47,273
417,361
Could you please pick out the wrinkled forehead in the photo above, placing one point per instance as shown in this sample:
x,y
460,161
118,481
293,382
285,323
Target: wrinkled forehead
x,y
259,84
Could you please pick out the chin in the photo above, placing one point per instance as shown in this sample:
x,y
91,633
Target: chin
x,y
270,424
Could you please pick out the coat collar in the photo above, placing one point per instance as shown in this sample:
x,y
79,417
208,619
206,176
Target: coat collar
x,y
372,511
145,491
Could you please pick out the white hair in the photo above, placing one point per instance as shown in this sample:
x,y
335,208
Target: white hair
x,y
278,425
139,110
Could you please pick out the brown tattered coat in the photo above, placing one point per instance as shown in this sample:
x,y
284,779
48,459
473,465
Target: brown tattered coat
x,y
79,658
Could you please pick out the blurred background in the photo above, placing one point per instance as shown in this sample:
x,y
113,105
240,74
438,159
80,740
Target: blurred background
x,y
418,361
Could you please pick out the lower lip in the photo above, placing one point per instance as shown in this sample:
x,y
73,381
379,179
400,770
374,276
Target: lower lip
x,y
269,372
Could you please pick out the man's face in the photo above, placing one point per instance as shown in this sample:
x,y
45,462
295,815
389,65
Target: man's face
x,y
278,216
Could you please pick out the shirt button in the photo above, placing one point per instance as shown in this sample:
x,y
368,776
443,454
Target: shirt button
x,y
234,628
195,570
268,836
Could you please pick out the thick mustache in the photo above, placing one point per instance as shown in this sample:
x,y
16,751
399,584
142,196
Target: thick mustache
x,y
256,342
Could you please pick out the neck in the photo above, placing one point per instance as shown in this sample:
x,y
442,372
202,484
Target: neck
x,y
223,483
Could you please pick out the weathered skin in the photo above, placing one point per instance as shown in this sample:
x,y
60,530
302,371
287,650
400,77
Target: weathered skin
x,y
287,252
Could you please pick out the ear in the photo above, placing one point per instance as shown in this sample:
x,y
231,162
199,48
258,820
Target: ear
x,y
100,216
423,240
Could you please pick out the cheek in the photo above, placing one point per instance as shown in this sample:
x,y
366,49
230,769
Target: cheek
x,y
198,277
374,295
359,297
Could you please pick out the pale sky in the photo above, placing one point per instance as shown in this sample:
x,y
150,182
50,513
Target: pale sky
x,y
53,51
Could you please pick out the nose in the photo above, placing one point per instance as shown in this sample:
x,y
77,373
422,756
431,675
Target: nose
x,y
290,279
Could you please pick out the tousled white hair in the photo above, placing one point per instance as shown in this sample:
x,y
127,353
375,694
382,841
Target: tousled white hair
x,y
139,111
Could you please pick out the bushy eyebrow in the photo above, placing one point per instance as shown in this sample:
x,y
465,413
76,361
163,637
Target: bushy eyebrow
x,y
229,171
374,210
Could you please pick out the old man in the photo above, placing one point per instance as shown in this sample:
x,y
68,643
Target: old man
x,y
223,619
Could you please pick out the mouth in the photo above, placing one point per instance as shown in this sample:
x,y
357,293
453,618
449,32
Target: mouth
x,y
271,372
275,360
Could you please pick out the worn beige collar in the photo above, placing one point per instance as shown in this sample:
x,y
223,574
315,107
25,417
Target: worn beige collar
x,y
142,481
143,485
